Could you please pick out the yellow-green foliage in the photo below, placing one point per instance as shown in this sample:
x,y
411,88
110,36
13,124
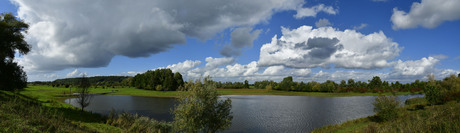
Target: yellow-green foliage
x,y
199,109
138,124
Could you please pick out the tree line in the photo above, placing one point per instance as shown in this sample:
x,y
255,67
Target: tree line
x,y
373,85
159,79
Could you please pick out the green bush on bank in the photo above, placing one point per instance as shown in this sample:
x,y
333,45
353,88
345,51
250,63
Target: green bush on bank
x,y
135,123
385,107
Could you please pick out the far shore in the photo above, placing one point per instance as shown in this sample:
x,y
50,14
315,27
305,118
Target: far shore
x,y
48,92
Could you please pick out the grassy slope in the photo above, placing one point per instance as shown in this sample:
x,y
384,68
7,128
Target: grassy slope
x,y
437,118
19,113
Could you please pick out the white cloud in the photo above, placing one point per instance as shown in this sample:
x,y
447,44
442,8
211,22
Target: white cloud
x,y
216,62
312,11
185,66
427,13
306,47
362,26
422,67
419,69
86,33
227,70
322,23
76,73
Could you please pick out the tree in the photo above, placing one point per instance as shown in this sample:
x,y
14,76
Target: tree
x,y
12,77
375,83
84,98
200,110
286,83
246,84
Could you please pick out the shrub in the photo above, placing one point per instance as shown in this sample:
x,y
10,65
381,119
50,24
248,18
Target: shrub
x,y
432,94
135,123
385,107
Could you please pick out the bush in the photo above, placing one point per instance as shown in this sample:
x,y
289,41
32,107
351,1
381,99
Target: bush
x,y
135,123
385,107
432,94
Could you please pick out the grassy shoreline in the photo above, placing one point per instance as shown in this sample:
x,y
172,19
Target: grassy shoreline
x,y
44,93
414,117
45,96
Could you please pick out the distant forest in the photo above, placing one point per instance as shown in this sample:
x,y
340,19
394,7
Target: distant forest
x,y
166,80
97,81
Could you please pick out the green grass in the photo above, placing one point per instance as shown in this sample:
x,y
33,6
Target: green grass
x,y
45,93
415,117
19,113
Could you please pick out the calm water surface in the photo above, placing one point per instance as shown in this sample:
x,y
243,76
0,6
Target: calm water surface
x,y
253,113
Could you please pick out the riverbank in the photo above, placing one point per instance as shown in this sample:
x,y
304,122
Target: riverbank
x,y
416,116
44,93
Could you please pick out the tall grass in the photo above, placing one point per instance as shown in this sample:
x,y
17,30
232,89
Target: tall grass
x,y
135,123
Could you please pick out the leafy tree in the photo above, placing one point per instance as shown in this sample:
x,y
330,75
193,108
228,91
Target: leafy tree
x,y
246,84
84,98
151,79
351,83
178,79
375,83
286,83
12,77
200,110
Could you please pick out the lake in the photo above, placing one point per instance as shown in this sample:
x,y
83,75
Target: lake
x,y
253,113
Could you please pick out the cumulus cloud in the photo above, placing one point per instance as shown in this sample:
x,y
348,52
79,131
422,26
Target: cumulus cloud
x,y
224,69
185,66
427,13
89,33
216,62
306,47
312,11
322,23
75,73
240,38
420,67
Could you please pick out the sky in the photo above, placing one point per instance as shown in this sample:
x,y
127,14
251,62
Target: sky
x,y
237,40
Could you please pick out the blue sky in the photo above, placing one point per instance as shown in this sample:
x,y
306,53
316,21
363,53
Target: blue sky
x,y
234,40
